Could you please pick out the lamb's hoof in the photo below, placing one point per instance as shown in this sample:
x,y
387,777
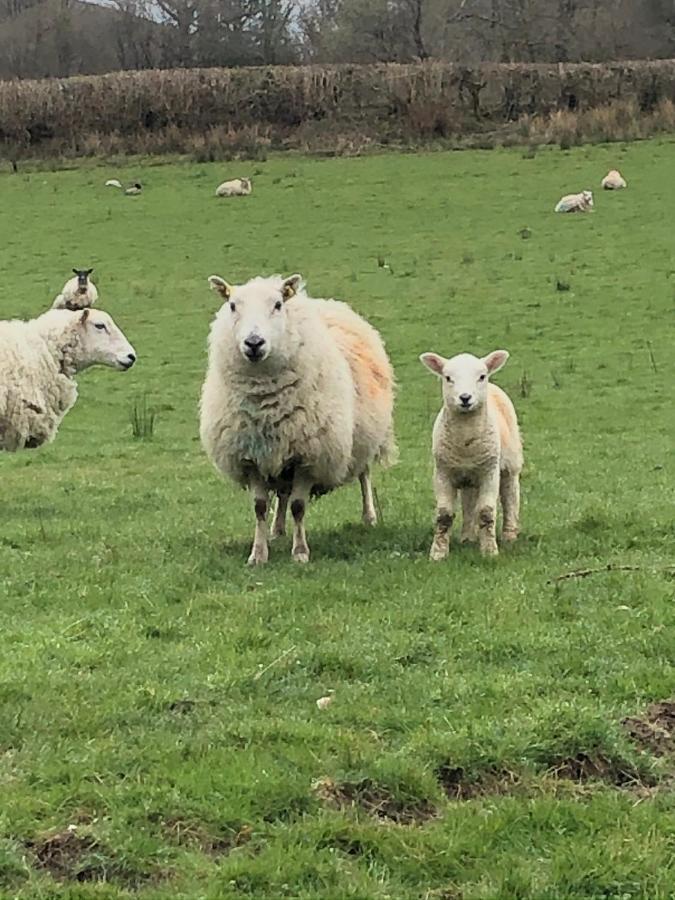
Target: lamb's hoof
x,y
301,554
489,552
437,554
508,537
370,520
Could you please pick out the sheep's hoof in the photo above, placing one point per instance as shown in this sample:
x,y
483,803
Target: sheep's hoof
x,y
370,519
468,539
258,557
508,537
277,533
437,554
301,554
490,551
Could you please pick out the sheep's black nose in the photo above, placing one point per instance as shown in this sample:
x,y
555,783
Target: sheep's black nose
x,y
254,341
465,398
131,357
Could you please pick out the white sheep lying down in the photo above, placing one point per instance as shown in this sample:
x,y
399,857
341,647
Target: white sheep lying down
x,y
78,292
477,452
237,187
38,363
582,202
613,181
298,400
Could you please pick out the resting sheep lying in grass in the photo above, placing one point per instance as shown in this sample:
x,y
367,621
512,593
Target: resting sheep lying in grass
x,y
38,362
238,187
78,292
582,202
477,451
298,399
613,181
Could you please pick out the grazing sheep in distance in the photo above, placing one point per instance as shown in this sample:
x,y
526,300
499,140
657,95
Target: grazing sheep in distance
x,y
78,292
582,202
113,182
477,452
134,189
613,181
298,399
238,187
39,360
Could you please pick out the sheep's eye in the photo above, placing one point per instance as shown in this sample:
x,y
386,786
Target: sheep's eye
x,y
100,326
278,305
232,307
482,378
448,379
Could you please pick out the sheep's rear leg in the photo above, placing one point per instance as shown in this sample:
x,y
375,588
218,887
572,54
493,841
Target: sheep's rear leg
x,y
279,523
469,512
299,499
446,497
369,513
259,550
486,505
509,492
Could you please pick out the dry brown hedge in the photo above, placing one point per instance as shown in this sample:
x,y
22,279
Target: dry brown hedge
x,y
171,109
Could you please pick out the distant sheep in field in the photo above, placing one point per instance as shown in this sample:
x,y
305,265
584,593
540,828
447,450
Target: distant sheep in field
x,y
582,202
39,360
134,189
298,400
477,452
113,182
238,187
613,181
78,292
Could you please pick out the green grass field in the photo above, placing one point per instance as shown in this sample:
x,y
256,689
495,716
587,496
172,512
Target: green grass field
x,y
159,734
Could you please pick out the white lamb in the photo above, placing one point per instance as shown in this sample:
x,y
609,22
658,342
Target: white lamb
x,y
477,451
582,202
38,363
298,399
238,187
78,292
613,181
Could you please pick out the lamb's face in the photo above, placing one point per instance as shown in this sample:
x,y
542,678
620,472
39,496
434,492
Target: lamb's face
x,y
257,315
465,378
588,198
103,343
82,279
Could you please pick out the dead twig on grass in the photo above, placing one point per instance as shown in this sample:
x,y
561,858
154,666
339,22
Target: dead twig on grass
x,y
610,567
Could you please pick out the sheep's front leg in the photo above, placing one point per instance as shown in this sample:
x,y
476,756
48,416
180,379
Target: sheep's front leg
x,y
259,551
469,523
369,513
486,506
299,499
509,492
446,497
279,523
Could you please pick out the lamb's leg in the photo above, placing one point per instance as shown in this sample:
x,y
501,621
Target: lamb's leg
x,y
369,513
469,522
279,523
509,492
486,505
446,497
299,499
259,551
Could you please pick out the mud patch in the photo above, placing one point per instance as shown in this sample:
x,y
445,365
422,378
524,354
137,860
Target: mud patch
x,y
654,732
69,856
373,799
584,768
458,785
195,835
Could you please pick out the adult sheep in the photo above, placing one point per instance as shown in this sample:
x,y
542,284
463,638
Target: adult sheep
x,y
298,399
237,187
39,360
78,292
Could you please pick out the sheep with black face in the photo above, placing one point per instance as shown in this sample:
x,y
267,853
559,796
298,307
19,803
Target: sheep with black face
x,y
78,292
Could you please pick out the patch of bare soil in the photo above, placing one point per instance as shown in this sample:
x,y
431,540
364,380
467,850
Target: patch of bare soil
x,y
458,785
654,732
193,834
583,768
69,856
374,799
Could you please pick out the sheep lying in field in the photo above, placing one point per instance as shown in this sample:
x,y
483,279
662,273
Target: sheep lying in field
x,y
78,292
38,363
238,187
613,181
582,202
298,399
477,452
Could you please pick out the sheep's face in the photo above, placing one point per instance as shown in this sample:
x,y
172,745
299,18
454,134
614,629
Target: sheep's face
x,y
103,343
588,198
82,279
465,377
256,315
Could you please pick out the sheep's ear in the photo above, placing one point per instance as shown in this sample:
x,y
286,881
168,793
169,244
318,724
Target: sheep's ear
x,y
89,271
84,316
221,287
291,286
76,271
495,360
433,362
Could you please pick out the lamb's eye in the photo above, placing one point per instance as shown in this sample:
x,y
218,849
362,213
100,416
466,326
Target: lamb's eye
x,y
99,326
232,307
481,378
278,305
448,379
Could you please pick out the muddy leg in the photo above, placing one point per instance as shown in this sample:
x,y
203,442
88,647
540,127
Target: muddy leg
x,y
469,514
259,551
486,505
446,497
279,523
509,491
369,513
299,499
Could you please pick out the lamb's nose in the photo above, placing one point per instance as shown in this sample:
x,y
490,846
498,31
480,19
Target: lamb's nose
x,y
254,342
465,398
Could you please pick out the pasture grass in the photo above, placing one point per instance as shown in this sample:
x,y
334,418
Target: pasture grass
x,y
159,734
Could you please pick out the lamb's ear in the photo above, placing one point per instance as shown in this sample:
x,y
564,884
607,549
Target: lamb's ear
x,y
433,362
495,360
84,316
291,286
219,285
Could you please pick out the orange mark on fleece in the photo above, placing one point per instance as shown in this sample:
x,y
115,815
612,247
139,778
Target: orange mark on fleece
x,y
499,403
369,370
